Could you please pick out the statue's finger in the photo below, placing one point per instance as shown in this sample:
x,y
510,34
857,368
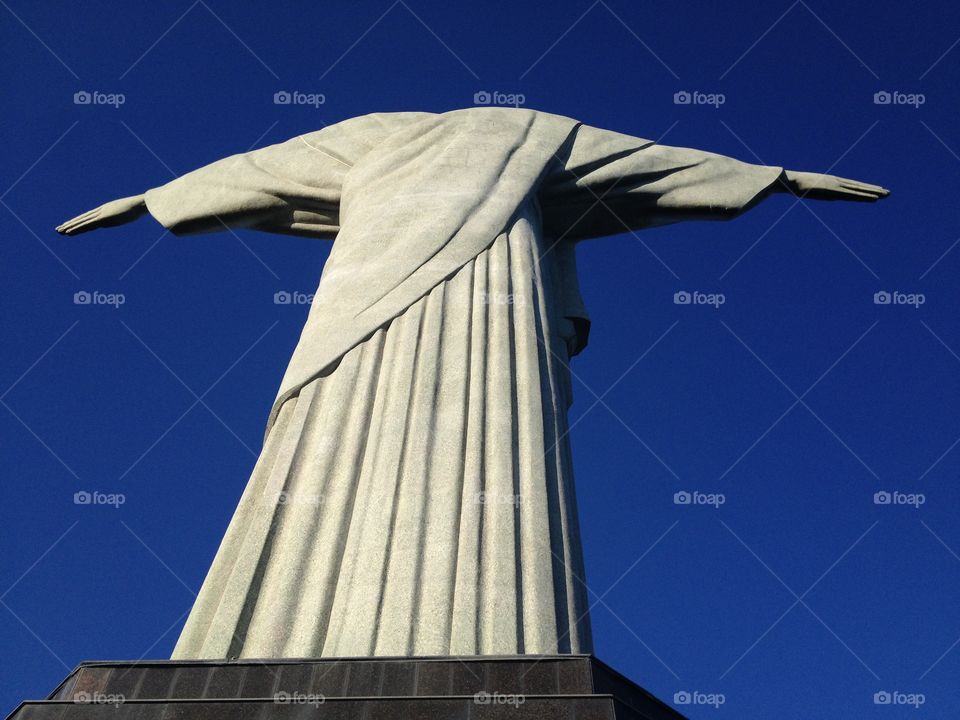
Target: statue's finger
x,y
87,221
79,218
861,195
81,228
87,214
867,187
876,190
69,225
69,228
856,184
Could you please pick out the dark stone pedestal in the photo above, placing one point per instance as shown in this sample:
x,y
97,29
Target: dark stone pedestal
x,y
530,687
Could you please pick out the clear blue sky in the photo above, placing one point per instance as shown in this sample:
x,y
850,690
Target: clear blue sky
x,y
798,399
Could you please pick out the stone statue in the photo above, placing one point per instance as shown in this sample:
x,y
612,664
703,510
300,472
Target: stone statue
x,y
415,495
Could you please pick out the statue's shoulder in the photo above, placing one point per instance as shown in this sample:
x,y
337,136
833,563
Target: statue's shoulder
x,y
506,111
362,131
386,120
472,110
366,131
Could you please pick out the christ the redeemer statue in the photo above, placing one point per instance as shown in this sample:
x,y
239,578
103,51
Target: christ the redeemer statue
x,y
415,494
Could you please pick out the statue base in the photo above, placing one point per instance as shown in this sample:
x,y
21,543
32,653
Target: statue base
x,y
518,687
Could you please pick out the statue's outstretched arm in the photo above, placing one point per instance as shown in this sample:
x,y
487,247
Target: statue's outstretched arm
x,y
287,188
608,183
292,187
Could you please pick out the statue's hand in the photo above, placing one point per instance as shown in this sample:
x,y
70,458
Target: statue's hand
x,y
829,187
115,212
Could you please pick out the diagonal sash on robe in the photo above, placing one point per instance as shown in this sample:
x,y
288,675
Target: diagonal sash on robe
x,y
415,210
418,204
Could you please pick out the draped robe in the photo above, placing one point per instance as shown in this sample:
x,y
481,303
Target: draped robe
x,y
414,495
